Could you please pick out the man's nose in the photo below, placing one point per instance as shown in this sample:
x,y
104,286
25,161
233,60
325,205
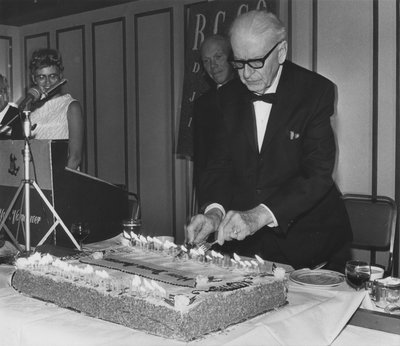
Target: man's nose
x,y
47,81
214,63
247,71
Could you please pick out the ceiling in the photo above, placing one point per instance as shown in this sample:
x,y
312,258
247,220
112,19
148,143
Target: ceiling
x,y
22,12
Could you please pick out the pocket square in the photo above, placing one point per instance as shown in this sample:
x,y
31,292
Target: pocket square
x,y
293,135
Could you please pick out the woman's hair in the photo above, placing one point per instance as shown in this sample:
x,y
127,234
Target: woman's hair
x,y
45,57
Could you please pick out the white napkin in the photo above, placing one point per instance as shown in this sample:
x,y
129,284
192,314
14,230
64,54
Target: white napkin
x,y
317,316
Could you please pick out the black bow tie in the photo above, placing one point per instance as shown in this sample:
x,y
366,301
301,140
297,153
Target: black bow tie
x,y
269,98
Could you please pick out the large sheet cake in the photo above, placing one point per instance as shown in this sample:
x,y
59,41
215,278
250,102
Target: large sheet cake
x,y
156,291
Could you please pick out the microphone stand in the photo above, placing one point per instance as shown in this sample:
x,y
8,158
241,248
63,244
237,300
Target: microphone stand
x,y
25,186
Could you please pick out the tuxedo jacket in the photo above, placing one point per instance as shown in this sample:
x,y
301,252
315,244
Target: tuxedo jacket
x,y
208,122
291,175
16,125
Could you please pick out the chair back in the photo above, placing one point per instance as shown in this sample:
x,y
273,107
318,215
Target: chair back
x,y
373,222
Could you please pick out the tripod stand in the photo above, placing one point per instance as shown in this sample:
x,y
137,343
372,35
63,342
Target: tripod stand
x,y
25,187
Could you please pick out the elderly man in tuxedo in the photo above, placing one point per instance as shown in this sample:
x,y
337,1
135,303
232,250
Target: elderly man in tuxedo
x,y
269,189
10,123
208,110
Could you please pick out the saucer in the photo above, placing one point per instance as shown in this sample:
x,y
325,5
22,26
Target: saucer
x,y
320,278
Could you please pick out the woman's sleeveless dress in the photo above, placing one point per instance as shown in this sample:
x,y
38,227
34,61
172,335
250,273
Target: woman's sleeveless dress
x,y
51,119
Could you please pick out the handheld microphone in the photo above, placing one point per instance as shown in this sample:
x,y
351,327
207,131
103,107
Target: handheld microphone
x,y
35,94
32,95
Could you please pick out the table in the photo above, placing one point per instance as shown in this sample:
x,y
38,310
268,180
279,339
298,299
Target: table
x,y
312,317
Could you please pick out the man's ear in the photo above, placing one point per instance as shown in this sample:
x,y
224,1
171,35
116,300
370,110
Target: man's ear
x,y
282,52
33,79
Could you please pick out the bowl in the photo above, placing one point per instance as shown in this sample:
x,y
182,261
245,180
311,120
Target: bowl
x,y
376,273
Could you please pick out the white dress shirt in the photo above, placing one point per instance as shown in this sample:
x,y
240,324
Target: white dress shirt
x,y
262,110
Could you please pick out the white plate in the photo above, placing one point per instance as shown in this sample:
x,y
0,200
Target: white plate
x,y
317,278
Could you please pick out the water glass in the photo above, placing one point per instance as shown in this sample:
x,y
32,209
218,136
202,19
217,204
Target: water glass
x,y
357,273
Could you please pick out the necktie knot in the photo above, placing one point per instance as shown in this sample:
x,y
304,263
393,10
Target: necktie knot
x,y
268,98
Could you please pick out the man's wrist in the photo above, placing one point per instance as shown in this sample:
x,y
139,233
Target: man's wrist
x,y
215,206
216,215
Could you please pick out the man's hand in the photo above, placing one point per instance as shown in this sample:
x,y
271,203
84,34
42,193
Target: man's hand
x,y
240,224
201,226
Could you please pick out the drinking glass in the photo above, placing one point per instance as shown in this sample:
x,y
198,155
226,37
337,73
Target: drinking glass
x,y
357,273
80,231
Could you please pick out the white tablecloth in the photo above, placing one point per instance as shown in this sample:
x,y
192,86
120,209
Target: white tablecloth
x,y
312,317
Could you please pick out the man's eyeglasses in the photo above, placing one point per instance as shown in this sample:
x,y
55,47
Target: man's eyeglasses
x,y
253,63
42,78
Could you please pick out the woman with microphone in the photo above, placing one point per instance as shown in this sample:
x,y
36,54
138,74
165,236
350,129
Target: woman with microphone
x,y
58,115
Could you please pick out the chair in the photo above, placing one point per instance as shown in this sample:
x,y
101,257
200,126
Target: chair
x,y
373,221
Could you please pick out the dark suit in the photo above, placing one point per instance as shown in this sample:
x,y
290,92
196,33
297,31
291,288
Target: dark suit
x,y
292,174
16,126
208,117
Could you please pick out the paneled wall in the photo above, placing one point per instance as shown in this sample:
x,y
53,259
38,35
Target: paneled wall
x,y
71,42
355,44
155,107
6,43
109,99
10,48
125,65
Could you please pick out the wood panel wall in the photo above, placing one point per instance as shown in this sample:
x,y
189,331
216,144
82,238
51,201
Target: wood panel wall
x,y
6,44
155,135
109,100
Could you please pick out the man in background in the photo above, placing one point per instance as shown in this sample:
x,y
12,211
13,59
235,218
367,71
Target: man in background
x,y
212,107
10,122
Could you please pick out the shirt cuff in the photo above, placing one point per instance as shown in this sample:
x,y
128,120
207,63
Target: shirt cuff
x,y
273,223
218,206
